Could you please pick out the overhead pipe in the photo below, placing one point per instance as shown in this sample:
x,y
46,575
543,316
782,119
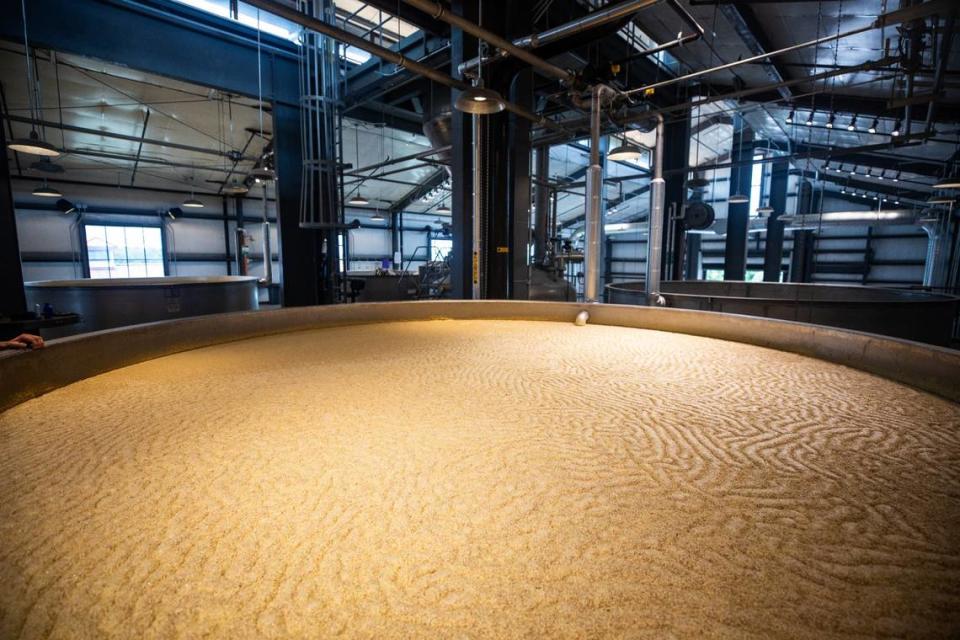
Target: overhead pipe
x,y
598,18
438,12
679,41
655,236
291,14
887,19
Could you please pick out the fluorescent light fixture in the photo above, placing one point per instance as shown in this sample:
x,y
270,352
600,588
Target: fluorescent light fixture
x,y
46,191
839,218
952,182
33,146
939,200
479,101
626,151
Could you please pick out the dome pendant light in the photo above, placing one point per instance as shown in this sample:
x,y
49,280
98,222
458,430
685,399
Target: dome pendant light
x,y
32,145
626,151
739,198
261,174
46,191
358,200
477,99
235,188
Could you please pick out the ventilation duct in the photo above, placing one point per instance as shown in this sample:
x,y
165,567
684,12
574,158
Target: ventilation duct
x,y
437,131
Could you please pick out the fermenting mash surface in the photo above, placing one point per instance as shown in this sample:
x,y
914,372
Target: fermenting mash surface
x,y
480,479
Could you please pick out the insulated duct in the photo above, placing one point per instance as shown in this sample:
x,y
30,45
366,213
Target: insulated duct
x,y
655,237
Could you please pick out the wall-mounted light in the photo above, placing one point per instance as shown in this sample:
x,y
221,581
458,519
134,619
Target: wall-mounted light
x,y
66,206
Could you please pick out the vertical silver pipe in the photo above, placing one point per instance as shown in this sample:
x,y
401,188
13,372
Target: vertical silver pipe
x,y
932,269
655,235
267,278
593,240
476,208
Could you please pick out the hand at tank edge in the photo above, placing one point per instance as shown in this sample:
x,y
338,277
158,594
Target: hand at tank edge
x,y
23,341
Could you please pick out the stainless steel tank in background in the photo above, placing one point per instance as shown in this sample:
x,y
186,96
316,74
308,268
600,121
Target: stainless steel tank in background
x,y
911,315
103,304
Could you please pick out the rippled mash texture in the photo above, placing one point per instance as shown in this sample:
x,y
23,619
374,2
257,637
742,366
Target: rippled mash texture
x,y
480,479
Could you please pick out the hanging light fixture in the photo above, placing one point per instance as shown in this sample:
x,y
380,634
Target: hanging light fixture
x,y
235,188
479,100
790,117
853,123
896,128
809,121
739,198
830,121
358,200
263,174
896,178
443,209
46,191
873,126
698,184
626,151
951,181
377,216
34,144
764,211
853,171
192,203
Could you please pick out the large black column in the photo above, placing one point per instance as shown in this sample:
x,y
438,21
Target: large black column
x,y
773,250
801,258
299,248
738,215
676,155
518,185
462,48
12,298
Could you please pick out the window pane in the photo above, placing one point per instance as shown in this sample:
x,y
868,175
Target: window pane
x,y
124,252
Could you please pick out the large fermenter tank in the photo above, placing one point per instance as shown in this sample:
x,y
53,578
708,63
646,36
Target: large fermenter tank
x,y
479,468
911,315
118,302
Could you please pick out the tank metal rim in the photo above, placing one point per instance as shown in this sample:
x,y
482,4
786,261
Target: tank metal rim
x,y
67,360
899,296
137,283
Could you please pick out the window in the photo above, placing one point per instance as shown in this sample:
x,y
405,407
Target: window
x,y
441,248
124,252
756,183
